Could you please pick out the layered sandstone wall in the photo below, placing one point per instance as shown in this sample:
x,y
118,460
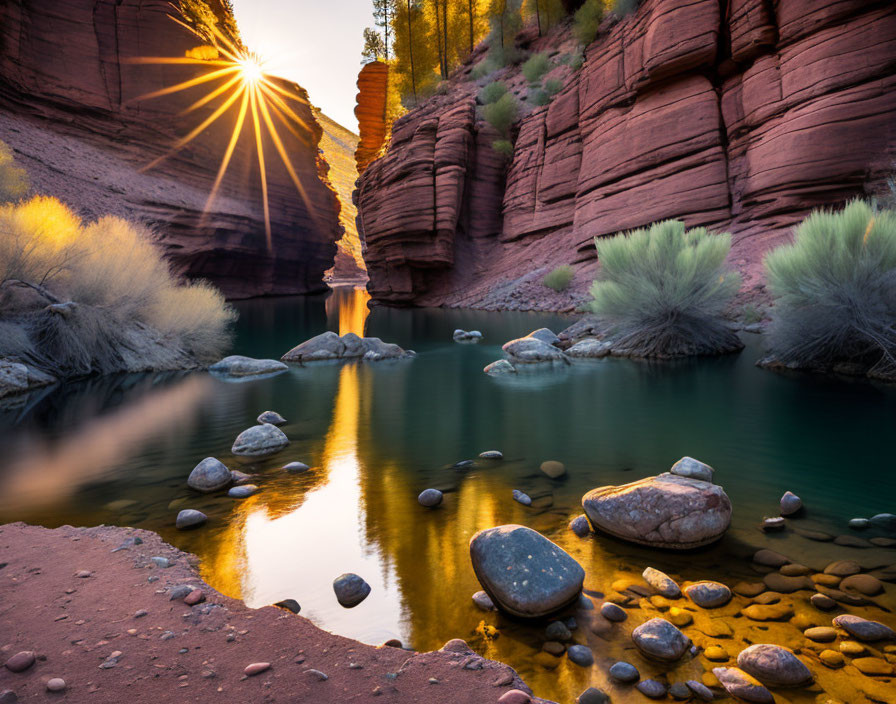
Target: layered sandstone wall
x,y
370,109
739,114
70,107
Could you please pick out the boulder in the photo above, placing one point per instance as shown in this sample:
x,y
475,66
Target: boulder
x,y
16,378
376,350
667,511
327,345
580,525
271,417
790,503
742,685
430,498
531,350
523,572
662,583
209,475
589,348
694,469
624,672
863,629
774,666
709,595
502,366
467,336
238,366
190,518
660,640
350,589
259,441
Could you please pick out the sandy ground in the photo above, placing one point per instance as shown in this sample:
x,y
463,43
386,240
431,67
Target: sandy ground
x,y
70,596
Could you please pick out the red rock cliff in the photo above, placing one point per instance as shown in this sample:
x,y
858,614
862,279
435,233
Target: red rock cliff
x,y
69,107
740,114
373,85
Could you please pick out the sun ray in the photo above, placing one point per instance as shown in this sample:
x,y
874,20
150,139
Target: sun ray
x,y
253,100
276,100
223,88
225,162
199,80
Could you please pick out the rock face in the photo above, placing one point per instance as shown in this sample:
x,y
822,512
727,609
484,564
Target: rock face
x,y
74,117
523,572
373,83
665,511
744,119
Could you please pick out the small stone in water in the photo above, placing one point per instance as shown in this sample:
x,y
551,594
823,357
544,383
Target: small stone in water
x,y
624,672
256,668
430,498
484,601
350,589
522,498
652,689
557,630
56,684
553,469
491,455
662,583
859,523
580,525
463,464
790,503
593,695
580,655
244,491
296,467
613,612
772,524
289,605
190,518
271,417
700,690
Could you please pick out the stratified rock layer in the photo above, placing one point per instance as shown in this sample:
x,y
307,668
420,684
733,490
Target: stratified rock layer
x,y
71,108
373,84
743,121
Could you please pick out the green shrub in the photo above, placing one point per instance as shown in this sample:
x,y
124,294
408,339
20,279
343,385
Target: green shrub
x,y
502,113
503,147
834,290
538,96
535,67
586,21
665,289
492,92
13,179
576,61
560,278
621,8
552,86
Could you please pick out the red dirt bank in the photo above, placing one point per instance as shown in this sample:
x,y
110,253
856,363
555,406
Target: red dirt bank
x,y
74,624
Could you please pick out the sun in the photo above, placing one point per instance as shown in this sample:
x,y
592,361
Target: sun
x,y
244,88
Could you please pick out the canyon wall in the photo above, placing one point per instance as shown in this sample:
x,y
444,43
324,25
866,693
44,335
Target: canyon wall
x,y
71,108
740,115
370,109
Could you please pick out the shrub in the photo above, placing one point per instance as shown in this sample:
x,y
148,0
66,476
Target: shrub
x,y
560,278
535,67
552,86
576,61
503,147
110,273
13,179
621,8
665,289
502,113
538,96
586,21
492,92
834,290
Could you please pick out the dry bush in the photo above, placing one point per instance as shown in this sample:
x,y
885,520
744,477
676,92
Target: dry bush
x,y
197,315
13,179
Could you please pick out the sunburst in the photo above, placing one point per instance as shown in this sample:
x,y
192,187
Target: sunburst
x,y
237,84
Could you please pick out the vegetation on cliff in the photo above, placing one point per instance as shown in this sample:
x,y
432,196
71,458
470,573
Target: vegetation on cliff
x,y
834,290
13,178
664,290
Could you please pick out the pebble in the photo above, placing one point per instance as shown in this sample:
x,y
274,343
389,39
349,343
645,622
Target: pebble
x,y
821,634
851,541
862,583
256,668
680,691
580,655
557,630
651,689
783,584
580,525
770,612
794,569
55,684
554,648
162,562
624,672
514,696
20,661
660,640
463,464
864,629
662,583
593,695
194,597
680,617
822,602
843,568
709,595
491,455
83,574
700,690
716,653
883,542
190,518
296,467
817,535
430,498
272,418
522,498
553,469
770,558
180,591
484,601
790,503
872,666
852,648
832,658
350,589
749,589
774,524
289,605
859,523
884,520
317,674
243,491
612,612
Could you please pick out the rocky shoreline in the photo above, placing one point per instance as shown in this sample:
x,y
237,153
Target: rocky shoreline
x,y
120,615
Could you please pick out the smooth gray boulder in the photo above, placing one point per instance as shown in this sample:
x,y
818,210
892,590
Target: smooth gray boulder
x,y
709,595
624,672
863,629
544,335
238,366
742,685
790,503
521,497
491,455
296,467
244,491
430,498
531,350
694,469
190,518
502,366
652,689
887,521
662,583
660,640
523,572
327,345
466,336
667,511
209,475
259,441
350,589
774,666
589,349
272,418
580,655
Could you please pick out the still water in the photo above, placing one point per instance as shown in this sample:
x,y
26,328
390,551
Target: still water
x,y
118,451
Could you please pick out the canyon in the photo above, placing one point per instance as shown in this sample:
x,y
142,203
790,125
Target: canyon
x,y
740,115
72,108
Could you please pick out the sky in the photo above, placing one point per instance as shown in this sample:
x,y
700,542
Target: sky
x,y
316,43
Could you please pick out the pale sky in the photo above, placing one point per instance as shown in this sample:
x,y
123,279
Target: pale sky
x,y
316,43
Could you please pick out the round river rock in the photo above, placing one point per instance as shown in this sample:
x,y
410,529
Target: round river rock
x,y
259,441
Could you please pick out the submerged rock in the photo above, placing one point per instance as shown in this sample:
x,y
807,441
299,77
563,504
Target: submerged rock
x,y
581,655
742,685
660,640
580,525
209,475
502,366
662,583
790,503
694,469
430,498
491,455
553,469
521,497
259,441
466,336
244,491
651,688
239,366
863,629
531,350
709,595
190,518
667,511
350,589
296,467
525,574
484,601
774,666
624,672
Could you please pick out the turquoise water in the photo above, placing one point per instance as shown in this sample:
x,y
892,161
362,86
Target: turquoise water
x,y
118,451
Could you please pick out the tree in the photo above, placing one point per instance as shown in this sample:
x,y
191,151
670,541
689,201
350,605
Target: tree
x,y
383,15
374,49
